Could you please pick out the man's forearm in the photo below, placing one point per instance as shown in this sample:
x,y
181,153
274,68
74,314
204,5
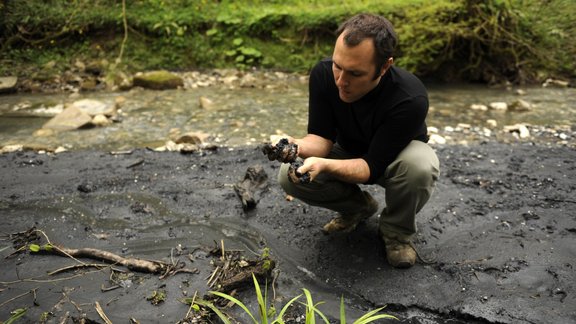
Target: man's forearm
x,y
313,145
351,170
314,149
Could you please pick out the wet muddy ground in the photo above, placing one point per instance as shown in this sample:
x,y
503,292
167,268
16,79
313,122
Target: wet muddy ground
x,y
500,230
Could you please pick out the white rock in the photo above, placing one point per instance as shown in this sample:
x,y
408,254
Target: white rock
x,y
8,84
95,107
520,105
520,92
229,79
11,148
71,118
479,107
101,120
498,105
436,139
60,149
519,129
555,83
206,103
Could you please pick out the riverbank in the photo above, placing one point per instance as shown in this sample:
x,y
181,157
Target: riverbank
x,y
493,42
499,228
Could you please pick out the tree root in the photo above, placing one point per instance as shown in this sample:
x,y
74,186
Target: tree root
x,y
134,264
130,263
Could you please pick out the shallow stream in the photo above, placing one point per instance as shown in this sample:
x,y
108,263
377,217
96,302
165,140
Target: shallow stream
x,y
249,115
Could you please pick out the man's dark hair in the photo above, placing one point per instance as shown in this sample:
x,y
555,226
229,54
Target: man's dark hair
x,y
378,28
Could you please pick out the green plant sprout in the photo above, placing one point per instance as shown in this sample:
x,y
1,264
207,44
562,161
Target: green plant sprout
x,y
15,315
266,315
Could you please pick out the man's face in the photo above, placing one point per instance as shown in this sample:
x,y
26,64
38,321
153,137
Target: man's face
x,y
354,69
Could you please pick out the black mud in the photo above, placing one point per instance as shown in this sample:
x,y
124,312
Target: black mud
x,y
501,228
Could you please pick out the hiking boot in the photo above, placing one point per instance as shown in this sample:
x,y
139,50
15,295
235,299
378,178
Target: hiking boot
x,y
400,253
345,223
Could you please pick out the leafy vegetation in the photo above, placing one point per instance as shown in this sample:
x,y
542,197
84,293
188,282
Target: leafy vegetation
x,y
474,40
267,314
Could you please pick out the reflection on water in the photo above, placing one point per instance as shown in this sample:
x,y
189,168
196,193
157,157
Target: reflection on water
x,y
242,116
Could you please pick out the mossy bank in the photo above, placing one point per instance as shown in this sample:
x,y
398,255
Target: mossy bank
x,y
490,41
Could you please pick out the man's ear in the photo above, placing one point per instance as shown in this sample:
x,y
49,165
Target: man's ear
x,y
386,66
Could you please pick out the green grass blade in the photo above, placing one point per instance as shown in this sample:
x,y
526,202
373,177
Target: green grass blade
x,y
311,309
374,318
237,302
321,314
342,311
261,302
310,317
371,317
218,313
16,314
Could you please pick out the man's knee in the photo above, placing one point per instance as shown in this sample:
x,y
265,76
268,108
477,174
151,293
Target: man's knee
x,y
417,166
283,179
421,173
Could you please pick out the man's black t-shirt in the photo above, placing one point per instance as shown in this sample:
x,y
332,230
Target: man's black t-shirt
x,y
378,126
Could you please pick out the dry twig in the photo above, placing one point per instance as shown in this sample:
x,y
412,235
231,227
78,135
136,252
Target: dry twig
x,y
102,314
33,292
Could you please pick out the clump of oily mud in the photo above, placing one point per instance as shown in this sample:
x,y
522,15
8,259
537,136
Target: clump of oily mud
x,y
287,152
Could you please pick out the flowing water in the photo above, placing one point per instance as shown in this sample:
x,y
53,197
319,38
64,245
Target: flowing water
x,y
240,116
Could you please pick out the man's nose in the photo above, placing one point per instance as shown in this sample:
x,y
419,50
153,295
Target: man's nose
x,y
341,80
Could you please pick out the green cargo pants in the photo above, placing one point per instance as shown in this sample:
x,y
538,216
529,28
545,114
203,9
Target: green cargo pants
x,y
408,183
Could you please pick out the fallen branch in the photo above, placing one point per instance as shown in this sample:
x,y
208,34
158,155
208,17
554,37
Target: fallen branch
x,y
134,264
130,263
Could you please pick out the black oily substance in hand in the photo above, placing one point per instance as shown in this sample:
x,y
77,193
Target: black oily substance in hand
x,y
296,177
283,151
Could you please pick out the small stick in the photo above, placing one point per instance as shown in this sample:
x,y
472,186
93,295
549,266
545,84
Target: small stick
x,y
191,304
77,266
105,289
223,251
64,319
45,280
102,314
212,276
473,261
33,291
